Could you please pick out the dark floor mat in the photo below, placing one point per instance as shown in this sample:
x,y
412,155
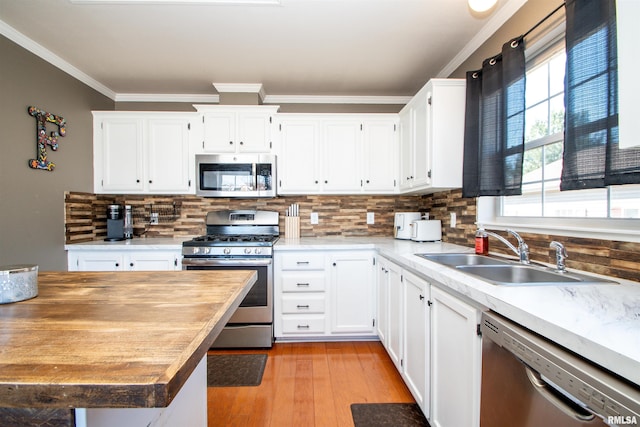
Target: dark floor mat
x,y
388,414
235,370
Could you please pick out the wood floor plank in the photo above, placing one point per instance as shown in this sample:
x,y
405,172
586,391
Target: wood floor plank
x,y
309,384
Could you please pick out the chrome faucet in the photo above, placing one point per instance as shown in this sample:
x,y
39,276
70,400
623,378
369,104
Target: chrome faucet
x,y
561,255
522,250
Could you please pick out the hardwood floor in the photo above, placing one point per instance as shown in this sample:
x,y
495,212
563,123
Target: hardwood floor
x,y
309,384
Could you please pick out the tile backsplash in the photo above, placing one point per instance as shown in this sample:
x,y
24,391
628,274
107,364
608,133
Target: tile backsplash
x,y
85,220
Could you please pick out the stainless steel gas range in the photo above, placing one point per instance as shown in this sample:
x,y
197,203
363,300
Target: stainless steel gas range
x,y
240,240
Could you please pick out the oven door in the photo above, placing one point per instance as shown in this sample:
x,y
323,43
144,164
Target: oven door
x,y
257,306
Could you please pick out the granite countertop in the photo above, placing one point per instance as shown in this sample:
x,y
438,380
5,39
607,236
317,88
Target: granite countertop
x,y
599,322
112,340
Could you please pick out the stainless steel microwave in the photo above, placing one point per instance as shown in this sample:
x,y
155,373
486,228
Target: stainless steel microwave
x,y
236,175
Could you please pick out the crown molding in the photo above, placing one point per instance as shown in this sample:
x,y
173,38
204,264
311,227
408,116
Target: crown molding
x,y
501,16
240,88
329,99
168,97
40,51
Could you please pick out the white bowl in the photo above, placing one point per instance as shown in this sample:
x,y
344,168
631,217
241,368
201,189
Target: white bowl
x,y
18,283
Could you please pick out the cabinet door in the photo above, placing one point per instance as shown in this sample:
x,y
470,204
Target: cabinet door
x,y
394,341
421,152
168,159
380,150
416,339
254,133
153,261
120,157
455,361
406,147
342,142
298,157
352,293
219,132
99,261
382,302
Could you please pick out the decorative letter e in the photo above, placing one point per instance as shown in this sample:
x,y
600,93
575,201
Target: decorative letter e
x,y
42,117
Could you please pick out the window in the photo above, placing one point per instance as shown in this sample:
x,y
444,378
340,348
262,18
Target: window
x,y
542,206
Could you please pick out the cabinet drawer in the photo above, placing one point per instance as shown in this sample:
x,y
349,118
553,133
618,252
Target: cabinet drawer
x,y
296,304
303,324
303,282
302,261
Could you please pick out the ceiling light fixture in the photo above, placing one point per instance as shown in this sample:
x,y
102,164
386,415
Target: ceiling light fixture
x,y
481,5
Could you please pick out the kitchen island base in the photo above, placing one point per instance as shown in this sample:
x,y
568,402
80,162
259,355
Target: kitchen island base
x,y
188,408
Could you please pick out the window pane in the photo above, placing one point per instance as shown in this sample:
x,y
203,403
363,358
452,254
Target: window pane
x,y
553,160
532,165
557,114
556,73
537,85
574,204
625,201
536,122
529,204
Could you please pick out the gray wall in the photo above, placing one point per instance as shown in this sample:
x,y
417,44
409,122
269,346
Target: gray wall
x,y
32,201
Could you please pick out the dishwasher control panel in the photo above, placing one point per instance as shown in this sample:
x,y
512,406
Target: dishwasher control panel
x,y
588,385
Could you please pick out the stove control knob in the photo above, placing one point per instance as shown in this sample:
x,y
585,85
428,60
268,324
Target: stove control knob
x,y
226,251
196,250
247,251
258,250
206,250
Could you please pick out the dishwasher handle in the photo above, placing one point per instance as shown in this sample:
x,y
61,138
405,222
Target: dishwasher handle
x,y
556,399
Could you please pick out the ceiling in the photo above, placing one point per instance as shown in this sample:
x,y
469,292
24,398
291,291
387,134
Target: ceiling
x,y
297,48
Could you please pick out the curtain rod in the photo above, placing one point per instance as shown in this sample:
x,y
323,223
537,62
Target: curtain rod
x,y
544,19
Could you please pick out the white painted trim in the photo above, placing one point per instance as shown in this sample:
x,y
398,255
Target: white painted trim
x,y
180,2
240,88
167,97
39,50
501,16
329,99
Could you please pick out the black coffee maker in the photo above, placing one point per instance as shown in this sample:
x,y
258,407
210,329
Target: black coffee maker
x,y
115,223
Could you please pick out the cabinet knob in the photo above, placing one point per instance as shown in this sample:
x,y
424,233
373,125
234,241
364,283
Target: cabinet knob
x,y
117,264
150,181
326,182
241,143
137,181
367,181
334,264
230,142
316,181
130,264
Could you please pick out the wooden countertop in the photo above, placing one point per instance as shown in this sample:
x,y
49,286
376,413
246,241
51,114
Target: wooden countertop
x,y
105,339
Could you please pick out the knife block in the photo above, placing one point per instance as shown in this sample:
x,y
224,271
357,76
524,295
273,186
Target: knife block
x,y
292,227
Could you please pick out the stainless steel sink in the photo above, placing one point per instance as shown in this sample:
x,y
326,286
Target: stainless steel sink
x,y
504,272
519,275
458,259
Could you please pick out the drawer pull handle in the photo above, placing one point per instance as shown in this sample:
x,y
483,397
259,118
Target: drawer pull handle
x,y
302,284
302,262
303,306
303,326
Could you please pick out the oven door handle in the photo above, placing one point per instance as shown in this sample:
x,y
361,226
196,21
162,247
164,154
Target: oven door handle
x,y
236,262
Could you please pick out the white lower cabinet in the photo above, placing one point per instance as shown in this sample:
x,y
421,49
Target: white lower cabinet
x,y
416,335
456,363
120,260
323,294
431,337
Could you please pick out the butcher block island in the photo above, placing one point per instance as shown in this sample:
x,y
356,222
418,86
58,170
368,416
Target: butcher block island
x,y
115,340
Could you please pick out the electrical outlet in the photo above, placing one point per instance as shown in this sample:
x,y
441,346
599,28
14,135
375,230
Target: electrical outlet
x,y
371,218
314,218
453,220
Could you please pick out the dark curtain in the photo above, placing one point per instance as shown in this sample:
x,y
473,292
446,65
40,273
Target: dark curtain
x,y
591,157
494,125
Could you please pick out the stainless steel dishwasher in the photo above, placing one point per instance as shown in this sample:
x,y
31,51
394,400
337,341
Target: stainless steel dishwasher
x,y
528,381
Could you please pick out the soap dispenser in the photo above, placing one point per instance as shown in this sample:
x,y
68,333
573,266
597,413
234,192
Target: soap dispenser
x,y
482,242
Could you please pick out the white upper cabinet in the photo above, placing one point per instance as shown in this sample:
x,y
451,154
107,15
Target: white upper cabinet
x,y
142,152
236,129
432,137
628,14
337,153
